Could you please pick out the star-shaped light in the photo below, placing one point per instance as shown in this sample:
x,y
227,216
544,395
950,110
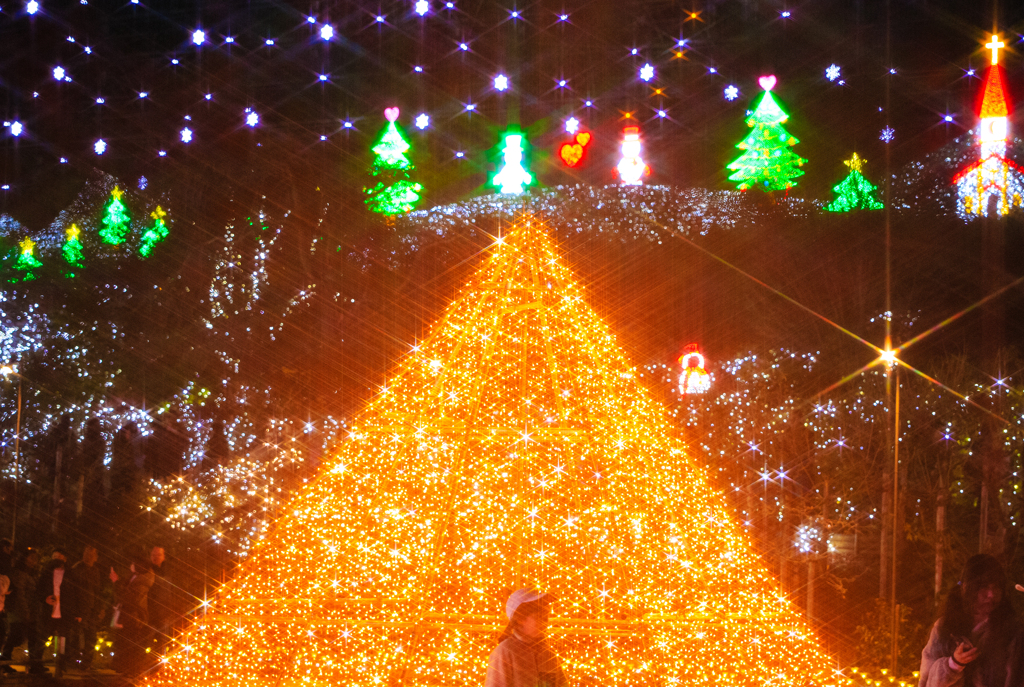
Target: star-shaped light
x,y
59,73
422,120
572,125
646,72
500,82
158,213
326,32
100,146
17,129
116,193
422,7
252,119
887,134
27,246
731,92
186,135
855,163
31,7
832,72
198,37
72,232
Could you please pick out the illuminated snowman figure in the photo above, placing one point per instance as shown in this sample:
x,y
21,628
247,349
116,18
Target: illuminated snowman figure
x,y
631,167
512,176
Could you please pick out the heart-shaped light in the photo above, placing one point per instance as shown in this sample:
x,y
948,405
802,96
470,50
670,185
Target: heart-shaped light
x,y
571,153
583,138
391,114
767,82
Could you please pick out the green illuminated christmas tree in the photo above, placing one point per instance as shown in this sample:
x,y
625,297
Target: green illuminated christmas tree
x,y
72,248
394,193
767,162
115,222
155,234
854,192
26,262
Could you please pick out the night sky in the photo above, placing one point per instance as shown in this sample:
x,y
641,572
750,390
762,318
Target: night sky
x,y
317,133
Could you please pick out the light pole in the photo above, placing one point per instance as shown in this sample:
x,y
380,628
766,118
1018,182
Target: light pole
x,y
7,371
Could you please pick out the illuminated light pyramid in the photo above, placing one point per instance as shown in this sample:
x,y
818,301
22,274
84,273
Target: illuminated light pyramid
x,y
993,175
513,447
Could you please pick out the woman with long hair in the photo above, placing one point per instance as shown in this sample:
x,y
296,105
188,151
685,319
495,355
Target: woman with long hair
x,y
975,641
523,657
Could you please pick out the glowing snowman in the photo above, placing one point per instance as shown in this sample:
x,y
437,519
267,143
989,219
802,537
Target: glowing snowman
x,y
512,176
631,167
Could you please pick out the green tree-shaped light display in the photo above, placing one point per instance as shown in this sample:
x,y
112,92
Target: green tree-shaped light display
x,y
26,262
854,192
155,234
72,248
394,193
767,162
115,222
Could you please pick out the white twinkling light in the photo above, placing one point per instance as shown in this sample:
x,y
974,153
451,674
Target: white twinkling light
x,y
662,113
198,37
832,72
323,77
252,118
422,7
186,135
500,82
731,92
143,94
31,7
646,72
418,69
310,19
100,146
229,39
269,41
463,46
101,100
422,120
326,32
572,125
887,135
208,96
17,129
59,73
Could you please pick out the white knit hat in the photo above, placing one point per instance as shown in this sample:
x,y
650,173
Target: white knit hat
x,y
520,597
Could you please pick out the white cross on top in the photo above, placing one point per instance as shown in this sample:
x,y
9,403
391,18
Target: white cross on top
x,y
994,45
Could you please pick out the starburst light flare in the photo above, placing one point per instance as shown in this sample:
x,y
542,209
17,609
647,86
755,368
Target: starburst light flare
x,y
513,447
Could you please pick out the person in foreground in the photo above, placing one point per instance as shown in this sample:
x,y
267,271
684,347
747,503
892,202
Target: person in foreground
x,y
523,657
976,642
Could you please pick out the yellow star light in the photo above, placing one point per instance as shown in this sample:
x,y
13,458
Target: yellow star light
x,y
72,232
855,163
158,213
117,193
27,246
530,456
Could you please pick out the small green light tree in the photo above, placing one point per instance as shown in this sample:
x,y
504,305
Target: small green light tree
x,y
26,262
394,193
72,248
767,162
155,234
116,220
854,192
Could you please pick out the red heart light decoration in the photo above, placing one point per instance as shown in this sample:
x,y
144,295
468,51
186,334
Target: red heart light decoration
x,y
391,114
583,138
571,153
767,82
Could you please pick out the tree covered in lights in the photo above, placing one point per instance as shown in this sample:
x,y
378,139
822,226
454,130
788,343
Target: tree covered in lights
x,y
115,220
514,446
394,193
854,192
767,162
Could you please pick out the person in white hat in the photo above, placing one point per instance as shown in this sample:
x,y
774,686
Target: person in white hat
x,y
523,657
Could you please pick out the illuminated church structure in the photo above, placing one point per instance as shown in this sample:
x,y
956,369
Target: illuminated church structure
x,y
993,181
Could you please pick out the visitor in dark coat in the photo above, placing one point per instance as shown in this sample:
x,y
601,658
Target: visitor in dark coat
x,y
523,657
132,602
81,604
24,612
976,642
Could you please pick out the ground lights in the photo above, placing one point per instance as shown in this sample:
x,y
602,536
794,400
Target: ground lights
x,y
513,446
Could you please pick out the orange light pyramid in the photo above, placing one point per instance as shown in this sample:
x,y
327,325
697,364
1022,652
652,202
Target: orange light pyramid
x,y
513,447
